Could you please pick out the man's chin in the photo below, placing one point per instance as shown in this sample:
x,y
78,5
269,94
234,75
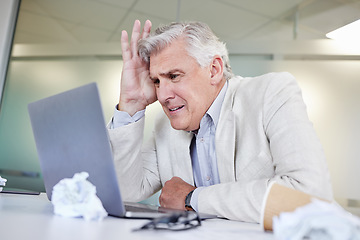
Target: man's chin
x,y
183,127
176,127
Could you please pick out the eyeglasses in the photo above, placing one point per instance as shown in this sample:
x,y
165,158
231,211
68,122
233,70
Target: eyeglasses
x,y
175,222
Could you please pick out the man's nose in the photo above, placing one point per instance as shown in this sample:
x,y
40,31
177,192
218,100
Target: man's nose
x,y
164,91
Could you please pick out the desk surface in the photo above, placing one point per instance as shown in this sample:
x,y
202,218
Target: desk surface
x,y
31,217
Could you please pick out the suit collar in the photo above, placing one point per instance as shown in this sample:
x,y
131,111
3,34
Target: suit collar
x,y
225,136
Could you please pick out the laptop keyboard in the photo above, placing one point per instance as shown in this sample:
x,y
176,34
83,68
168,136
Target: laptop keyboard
x,y
144,208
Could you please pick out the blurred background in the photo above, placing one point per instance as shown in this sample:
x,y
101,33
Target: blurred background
x,y
59,45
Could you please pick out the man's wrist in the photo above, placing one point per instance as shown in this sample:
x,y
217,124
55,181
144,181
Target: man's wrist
x,y
130,107
121,118
188,201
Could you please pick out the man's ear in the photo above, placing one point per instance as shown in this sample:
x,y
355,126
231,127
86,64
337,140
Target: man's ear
x,y
216,70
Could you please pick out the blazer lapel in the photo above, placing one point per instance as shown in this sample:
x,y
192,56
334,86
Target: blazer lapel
x,y
225,150
183,165
225,138
225,147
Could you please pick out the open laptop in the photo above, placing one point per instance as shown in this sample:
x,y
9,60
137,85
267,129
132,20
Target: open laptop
x,y
71,137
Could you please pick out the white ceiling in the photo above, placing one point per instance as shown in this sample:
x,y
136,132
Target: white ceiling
x,y
101,21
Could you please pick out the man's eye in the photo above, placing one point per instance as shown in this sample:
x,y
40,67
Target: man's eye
x,y
173,76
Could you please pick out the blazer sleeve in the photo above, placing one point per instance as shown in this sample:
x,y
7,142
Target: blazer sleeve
x,y
136,166
297,158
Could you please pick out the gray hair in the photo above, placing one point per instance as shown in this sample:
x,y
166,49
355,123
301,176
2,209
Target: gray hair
x,y
203,45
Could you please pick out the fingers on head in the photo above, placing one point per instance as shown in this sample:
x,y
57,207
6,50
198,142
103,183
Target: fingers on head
x,y
136,35
125,45
146,29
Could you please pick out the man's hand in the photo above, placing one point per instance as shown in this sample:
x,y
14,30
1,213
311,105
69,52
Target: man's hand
x,y
137,90
174,192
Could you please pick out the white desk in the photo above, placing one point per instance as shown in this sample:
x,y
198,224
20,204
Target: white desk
x,y
31,217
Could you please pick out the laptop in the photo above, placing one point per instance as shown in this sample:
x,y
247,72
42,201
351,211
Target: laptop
x,y
71,137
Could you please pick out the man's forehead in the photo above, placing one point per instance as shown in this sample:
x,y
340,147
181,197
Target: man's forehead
x,y
177,45
168,60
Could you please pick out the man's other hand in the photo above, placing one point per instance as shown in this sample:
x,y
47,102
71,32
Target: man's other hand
x,y
174,192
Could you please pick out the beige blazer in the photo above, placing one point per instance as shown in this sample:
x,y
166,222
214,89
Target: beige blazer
x,y
263,135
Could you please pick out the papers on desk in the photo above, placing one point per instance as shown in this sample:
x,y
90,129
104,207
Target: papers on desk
x,y
317,220
292,214
2,183
76,197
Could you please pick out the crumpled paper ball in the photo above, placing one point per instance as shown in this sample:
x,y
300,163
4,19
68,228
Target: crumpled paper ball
x,y
76,197
2,183
317,220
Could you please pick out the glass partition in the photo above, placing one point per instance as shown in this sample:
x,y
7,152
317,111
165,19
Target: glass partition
x,y
30,80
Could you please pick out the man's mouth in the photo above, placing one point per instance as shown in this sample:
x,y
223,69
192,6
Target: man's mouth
x,y
175,109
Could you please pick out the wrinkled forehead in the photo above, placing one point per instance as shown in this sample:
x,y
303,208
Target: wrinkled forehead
x,y
174,56
171,50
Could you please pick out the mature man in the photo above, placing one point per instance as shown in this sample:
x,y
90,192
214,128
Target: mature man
x,y
222,139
